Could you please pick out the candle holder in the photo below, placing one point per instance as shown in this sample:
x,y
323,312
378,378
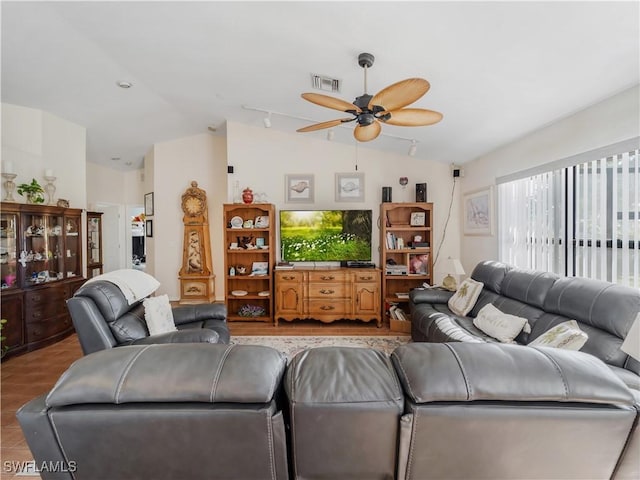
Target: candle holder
x,y
9,186
50,188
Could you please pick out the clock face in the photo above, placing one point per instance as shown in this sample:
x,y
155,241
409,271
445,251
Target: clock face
x,y
193,206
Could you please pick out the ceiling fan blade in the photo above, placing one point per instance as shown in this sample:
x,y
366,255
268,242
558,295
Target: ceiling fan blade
x,y
330,102
412,117
400,94
368,133
329,124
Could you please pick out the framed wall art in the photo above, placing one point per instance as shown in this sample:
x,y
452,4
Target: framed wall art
x,y
149,228
299,188
478,212
148,204
349,187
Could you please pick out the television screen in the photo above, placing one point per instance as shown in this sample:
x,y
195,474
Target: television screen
x,y
325,235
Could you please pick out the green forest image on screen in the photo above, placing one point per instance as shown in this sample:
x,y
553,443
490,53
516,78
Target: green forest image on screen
x,y
325,235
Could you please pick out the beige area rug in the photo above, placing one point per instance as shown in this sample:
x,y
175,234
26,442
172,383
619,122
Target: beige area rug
x,y
290,345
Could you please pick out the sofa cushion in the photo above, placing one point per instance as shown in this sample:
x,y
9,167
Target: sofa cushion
x,y
566,335
158,315
491,274
465,297
529,287
195,372
493,371
501,326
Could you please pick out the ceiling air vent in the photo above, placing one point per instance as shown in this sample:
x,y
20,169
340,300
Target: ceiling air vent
x,y
322,82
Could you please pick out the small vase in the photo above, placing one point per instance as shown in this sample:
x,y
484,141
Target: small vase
x,y
247,195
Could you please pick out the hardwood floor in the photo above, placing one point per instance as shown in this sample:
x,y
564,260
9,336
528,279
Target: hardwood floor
x,y
27,376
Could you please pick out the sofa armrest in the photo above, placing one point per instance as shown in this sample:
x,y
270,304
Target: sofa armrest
x,y
194,313
189,335
430,295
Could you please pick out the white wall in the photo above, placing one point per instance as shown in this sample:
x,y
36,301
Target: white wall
x,y
608,122
262,157
34,141
172,166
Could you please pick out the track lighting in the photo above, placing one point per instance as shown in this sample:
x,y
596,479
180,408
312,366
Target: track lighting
x,y
267,120
413,148
330,134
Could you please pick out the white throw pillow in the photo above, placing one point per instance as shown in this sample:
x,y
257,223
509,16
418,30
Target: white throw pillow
x,y
465,297
501,326
565,335
158,315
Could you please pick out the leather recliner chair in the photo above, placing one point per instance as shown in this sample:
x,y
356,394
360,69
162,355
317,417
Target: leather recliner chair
x,y
103,319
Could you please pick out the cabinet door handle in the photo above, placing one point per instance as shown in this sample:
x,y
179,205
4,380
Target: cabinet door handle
x,y
288,277
324,291
328,277
366,278
327,307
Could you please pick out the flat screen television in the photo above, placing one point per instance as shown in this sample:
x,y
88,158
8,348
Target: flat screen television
x,y
325,235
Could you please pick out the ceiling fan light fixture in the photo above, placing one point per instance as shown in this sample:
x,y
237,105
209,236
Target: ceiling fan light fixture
x,y
385,107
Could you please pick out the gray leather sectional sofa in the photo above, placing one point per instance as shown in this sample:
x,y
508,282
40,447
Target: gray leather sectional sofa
x,y
603,310
430,411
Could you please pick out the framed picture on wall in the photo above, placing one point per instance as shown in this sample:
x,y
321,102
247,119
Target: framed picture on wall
x,y
478,212
149,228
298,188
148,204
349,187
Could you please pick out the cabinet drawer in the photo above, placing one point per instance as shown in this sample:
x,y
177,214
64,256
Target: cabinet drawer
x,y
329,290
289,276
42,312
329,276
44,296
37,331
328,307
366,276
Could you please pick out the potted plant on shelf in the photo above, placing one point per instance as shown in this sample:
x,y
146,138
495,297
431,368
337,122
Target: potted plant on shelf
x,y
33,191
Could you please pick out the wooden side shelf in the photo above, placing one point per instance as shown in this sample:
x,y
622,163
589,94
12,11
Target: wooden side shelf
x,y
249,247
404,264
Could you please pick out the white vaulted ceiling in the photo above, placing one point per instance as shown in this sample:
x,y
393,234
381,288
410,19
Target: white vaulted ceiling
x,y
498,70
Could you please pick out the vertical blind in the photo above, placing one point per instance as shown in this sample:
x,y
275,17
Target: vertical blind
x,y
581,220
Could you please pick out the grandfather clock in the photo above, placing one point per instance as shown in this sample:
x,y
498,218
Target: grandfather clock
x,y
196,275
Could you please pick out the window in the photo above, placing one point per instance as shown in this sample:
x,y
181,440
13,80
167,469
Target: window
x,y
582,219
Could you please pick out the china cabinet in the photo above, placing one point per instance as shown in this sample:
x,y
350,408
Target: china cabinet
x,y
94,244
249,261
41,267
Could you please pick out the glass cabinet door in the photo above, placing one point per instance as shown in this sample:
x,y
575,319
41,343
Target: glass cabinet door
x,y
73,254
8,249
94,244
42,257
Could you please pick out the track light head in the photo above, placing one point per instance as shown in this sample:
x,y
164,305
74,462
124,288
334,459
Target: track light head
x,y
413,148
267,121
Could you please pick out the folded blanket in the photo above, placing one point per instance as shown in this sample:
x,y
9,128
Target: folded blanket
x,y
134,284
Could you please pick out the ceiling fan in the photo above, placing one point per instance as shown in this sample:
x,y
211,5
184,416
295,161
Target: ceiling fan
x,y
386,106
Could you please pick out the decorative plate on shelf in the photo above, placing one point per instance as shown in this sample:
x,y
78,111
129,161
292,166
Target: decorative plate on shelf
x,y
239,293
236,222
263,294
262,221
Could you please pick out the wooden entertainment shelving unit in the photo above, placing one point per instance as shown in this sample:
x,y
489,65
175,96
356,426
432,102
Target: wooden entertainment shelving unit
x,y
397,246
260,248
